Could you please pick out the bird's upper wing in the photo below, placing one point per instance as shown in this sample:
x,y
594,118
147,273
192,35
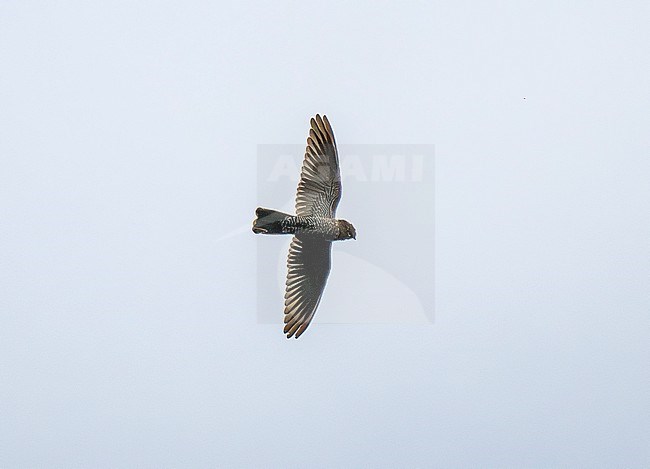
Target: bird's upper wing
x,y
319,189
308,268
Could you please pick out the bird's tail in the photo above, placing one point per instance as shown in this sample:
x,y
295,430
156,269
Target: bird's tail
x,y
268,221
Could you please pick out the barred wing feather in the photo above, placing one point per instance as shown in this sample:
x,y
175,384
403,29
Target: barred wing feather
x,y
308,268
319,189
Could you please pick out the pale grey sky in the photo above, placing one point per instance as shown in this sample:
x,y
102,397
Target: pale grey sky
x,y
128,323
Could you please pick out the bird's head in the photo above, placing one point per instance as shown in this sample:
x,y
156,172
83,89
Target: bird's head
x,y
346,230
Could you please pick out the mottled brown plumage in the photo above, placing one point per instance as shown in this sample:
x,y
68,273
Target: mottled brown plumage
x,y
314,227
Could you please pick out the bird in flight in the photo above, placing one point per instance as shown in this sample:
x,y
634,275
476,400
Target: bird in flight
x,y
314,227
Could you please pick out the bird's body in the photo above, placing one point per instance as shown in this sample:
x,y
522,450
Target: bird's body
x,y
314,227
324,228
282,223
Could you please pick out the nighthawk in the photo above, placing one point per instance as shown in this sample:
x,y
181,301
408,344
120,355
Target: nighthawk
x,y
314,227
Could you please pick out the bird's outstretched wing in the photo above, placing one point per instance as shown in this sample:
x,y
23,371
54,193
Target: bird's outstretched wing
x,y
308,268
319,189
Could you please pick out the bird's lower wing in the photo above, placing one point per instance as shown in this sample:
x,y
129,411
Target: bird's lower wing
x,y
308,268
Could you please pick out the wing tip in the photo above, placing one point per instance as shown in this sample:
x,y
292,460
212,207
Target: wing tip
x,y
318,119
295,333
289,329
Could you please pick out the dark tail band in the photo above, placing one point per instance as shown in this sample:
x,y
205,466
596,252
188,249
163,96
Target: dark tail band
x,y
268,221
